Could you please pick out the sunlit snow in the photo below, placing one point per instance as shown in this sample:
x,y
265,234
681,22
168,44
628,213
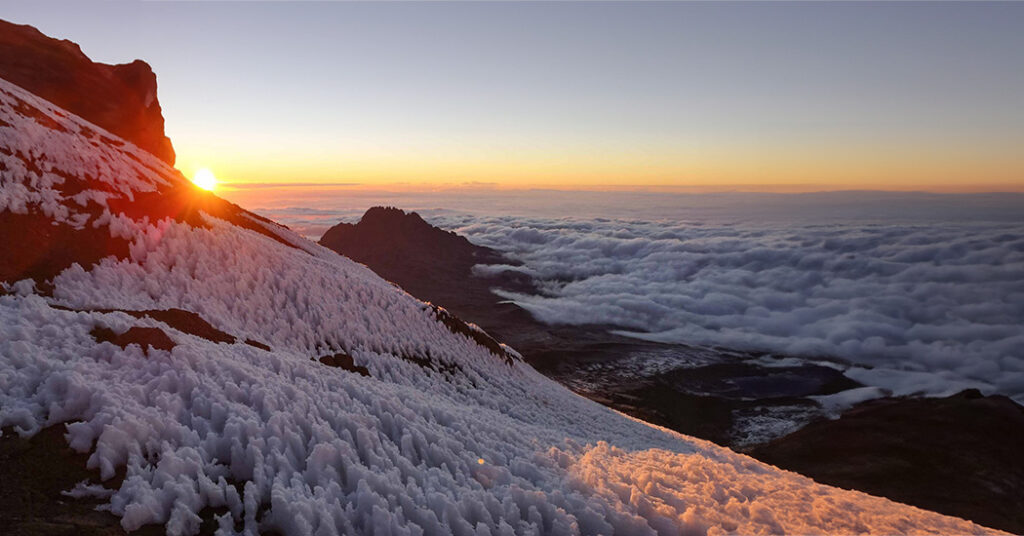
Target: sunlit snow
x,y
286,443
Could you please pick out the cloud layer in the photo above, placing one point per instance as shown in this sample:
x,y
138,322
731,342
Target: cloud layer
x,y
925,289
921,308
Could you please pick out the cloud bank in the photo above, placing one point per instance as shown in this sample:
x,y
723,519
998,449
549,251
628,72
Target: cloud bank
x,y
918,308
925,289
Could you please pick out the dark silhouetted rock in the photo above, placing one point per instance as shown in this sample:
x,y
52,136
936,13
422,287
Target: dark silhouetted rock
x,y
119,98
435,266
35,473
344,361
39,470
186,321
257,344
403,248
35,247
144,337
456,325
962,455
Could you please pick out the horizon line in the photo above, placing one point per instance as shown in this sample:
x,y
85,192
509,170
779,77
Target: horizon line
x,y
780,189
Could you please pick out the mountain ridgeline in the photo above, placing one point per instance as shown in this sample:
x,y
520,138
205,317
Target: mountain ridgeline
x,y
436,265
406,249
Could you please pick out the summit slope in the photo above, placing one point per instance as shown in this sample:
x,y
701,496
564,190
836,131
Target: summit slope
x,y
178,340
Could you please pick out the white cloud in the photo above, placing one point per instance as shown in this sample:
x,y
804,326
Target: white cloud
x,y
941,298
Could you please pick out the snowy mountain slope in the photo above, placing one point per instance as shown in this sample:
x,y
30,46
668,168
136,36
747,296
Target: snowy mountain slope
x,y
179,339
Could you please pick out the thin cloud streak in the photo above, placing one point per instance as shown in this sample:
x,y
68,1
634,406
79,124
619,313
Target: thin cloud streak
x,y
265,185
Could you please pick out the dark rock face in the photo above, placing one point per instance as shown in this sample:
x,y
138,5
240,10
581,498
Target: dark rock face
x,y
119,98
145,337
35,473
403,248
962,455
344,361
435,266
456,325
35,248
179,319
186,321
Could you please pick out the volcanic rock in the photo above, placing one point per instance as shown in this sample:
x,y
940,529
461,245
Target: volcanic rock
x,y
435,266
403,248
120,98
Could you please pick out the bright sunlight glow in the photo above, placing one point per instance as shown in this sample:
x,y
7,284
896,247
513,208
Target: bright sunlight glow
x,y
204,179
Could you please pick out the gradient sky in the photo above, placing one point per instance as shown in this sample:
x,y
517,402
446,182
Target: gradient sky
x,y
756,96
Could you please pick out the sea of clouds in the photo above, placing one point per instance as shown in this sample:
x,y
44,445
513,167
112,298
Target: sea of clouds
x,y
921,293
947,301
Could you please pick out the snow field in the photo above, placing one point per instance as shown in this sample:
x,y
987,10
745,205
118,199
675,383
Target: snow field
x,y
276,440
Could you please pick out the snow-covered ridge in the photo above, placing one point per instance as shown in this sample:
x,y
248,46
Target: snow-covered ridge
x,y
46,152
474,444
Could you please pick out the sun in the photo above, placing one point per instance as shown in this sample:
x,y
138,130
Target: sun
x,y
204,179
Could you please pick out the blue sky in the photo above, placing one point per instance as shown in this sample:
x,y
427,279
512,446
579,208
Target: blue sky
x,y
772,95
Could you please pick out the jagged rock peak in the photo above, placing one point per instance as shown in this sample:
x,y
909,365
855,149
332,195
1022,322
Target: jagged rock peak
x,y
376,216
120,98
381,226
389,212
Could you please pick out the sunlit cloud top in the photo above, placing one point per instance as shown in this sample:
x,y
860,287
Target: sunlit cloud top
x,y
766,95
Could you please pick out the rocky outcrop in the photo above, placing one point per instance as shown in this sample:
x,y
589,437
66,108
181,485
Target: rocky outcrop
x,y
345,362
147,338
119,98
404,248
41,492
434,265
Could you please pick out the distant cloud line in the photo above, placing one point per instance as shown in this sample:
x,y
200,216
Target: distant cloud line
x,y
262,185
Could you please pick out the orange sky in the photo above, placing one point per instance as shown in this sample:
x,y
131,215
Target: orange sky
x,y
756,167
769,96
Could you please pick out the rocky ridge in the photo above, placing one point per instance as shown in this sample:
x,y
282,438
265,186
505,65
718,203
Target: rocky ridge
x,y
120,98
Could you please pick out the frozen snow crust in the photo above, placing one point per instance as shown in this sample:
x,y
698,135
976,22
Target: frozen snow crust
x,y
442,437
